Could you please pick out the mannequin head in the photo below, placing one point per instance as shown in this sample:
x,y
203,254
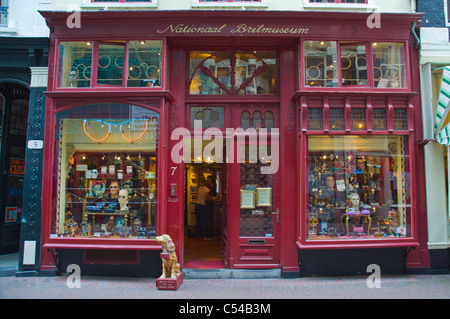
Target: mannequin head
x,y
123,199
330,182
114,189
353,199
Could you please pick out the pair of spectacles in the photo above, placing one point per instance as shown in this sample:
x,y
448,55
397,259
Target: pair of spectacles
x,y
114,187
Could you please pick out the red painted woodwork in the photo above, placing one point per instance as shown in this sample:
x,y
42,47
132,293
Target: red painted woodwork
x,y
291,103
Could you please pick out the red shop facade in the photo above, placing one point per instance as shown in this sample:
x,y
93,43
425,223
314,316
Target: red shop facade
x,y
303,126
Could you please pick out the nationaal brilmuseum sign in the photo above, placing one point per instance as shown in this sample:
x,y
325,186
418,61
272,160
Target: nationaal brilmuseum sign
x,y
235,29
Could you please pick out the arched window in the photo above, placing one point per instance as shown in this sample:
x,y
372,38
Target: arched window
x,y
232,73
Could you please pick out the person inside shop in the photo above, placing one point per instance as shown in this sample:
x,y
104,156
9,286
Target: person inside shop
x,y
211,184
201,211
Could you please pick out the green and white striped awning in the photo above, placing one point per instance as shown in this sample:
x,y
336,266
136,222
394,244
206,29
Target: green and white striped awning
x,y
443,133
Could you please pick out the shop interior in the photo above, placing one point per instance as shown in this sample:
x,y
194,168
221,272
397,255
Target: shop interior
x,y
203,238
205,228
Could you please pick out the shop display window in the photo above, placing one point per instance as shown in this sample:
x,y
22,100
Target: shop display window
x,y
141,60
105,172
358,187
321,67
110,64
320,63
144,63
353,64
389,65
232,73
75,60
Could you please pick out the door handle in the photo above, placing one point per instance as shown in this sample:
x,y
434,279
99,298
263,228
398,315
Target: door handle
x,y
277,213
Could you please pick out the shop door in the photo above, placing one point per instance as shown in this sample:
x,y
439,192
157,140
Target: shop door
x,y
255,212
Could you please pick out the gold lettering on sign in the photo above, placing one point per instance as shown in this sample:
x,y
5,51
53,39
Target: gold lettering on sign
x,y
240,29
243,28
182,28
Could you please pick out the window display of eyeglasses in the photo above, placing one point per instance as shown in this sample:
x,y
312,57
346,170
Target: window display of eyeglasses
x,y
359,188
106,177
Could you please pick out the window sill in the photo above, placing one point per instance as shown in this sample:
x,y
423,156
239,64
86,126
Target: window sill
x,y
116,5
109,93
340,6
357,244
105,243
6,29
262,4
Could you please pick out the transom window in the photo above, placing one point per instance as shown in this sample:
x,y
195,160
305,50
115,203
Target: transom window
x,y
232,72
339,115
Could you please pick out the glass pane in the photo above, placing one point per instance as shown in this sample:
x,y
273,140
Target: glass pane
x,y
320,63
74,64
2,108
359,187
105,174
4,12
144,63
358,119
268,119
336,119
110,64
315,119
379,119
256,120
232,73
389,65
18,117
354,64
245,120
256,220
400,120
210,116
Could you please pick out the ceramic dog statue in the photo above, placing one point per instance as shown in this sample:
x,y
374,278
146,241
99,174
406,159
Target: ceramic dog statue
x,y
170,265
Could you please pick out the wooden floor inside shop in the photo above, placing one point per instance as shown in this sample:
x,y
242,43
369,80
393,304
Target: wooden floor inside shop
x,y
202,248
202,253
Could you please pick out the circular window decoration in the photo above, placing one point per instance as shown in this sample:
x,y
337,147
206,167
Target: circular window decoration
x,y
313,72
104,61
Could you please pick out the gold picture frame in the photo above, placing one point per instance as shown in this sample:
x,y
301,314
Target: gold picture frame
x,y
247,199
264,197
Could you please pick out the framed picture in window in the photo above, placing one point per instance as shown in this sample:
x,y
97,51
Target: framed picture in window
x,y
247,199
264,196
